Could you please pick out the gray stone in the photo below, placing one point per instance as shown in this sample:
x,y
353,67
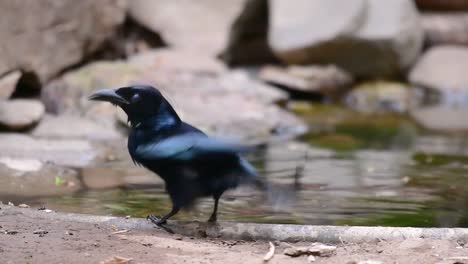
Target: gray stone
x,y
70,126
20,113
370,38
58,35
379,96
49,180
75,153
8,84
317,79
166,59
200,26
119,175
229,104
445,28
242,81
442,118
442,68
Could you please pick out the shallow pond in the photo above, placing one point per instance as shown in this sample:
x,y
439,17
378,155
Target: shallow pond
x,y
358,170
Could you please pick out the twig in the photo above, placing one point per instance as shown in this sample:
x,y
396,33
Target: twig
x,y
270,253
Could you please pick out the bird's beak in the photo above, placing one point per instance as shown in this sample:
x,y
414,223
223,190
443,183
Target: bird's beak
x,y
108,95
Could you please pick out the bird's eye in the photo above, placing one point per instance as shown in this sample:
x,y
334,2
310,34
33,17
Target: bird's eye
x,y
135,98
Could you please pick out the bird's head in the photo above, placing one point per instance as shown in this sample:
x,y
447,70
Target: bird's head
x,y
141,103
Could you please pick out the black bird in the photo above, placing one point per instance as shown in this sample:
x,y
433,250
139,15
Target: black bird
x,y
192,164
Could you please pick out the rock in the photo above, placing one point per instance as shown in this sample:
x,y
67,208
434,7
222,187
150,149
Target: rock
x,y
442,68
441,76
379,96
445,28
8,84
316,79
21,164
196,97
296,251
38,183
60,34
199,26
247,42
442,118
241,81
19,114
165,59
69,92
70,126
454,5
123,174
317,249
367,38
75,153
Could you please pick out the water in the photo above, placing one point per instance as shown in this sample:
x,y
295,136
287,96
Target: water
x,y
373,171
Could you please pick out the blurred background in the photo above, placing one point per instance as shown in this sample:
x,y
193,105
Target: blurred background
x,y
362,105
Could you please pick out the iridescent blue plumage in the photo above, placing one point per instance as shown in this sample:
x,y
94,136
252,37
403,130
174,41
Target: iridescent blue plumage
x,y
192,164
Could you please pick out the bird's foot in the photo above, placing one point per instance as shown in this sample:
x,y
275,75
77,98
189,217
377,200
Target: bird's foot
x,y
156,220
212,219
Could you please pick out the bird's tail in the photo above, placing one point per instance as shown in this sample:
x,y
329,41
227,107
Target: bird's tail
x,y
277,196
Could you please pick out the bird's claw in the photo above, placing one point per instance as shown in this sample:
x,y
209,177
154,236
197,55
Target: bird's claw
x,y
156,220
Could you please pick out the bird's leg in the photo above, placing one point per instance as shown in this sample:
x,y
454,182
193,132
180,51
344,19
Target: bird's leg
x,y
160,221
213,216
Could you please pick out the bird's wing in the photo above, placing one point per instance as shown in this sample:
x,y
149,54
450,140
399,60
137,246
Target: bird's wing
x,y
186,147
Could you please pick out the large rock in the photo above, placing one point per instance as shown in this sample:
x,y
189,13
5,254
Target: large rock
x,y
328,80
200,26
442,68
454,5
370,38
71,126
49,180
75,153
8,84
173,60
442,118
445,28
227,104
19,114
47,36
441,74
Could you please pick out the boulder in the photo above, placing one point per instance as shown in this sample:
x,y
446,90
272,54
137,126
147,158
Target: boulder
x,y
443,5
166,59
227,104
59,34
445,28
327,80
119,175
442,118
71,126
370,38
200,26
441,74
20,114
8,84
48,180
443,68
75,153
379,96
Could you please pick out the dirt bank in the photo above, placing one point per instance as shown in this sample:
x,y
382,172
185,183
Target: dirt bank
x,y
68,240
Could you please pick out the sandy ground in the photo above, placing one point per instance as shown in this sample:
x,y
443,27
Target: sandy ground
x,y
78,242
